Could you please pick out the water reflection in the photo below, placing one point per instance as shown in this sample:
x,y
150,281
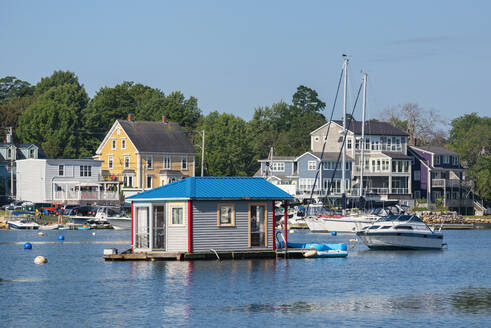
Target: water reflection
x,y
465,301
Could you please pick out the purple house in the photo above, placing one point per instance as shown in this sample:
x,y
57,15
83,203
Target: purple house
x,y
438,174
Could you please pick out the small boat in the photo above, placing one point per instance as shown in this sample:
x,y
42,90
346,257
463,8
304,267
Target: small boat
x,y
50,226
23,224
120,222
322,250
400,232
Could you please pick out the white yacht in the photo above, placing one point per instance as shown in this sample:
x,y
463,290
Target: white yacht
x,y
400,232
22,224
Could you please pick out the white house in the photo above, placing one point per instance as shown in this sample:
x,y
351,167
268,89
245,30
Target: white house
x,y
64,181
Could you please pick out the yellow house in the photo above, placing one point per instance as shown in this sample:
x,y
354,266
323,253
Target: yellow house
x,y
144,154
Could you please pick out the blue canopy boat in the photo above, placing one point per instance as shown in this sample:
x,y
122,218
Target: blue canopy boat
x,y
320,250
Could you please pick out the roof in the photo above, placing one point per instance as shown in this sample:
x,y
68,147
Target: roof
x,y
371,128
396,155
279,158
148,136
435,150
216,188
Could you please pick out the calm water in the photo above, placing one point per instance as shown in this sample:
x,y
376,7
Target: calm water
x,y
369,288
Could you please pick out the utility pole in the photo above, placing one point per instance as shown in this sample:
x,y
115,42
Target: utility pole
x,y
203,153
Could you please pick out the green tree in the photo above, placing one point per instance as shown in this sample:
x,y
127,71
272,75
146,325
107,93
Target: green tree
x,y
11,87
13,109
228,151
469,134
480,173
56,79
53,121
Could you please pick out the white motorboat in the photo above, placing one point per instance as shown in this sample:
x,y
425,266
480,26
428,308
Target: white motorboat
x,y
120,222
50,226
23,224
400,232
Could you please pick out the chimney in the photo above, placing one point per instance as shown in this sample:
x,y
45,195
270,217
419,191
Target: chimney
x,y
164,119
130,117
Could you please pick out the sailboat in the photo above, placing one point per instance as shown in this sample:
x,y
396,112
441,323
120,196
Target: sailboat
x,y
347,223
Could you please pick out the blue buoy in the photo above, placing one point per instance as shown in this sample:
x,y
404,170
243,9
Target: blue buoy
x,y
61,237
334,233
27,245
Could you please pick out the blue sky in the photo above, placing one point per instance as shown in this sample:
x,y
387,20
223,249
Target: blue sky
x,y
236,56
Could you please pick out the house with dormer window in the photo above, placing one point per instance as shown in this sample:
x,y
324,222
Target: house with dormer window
x,y
143,155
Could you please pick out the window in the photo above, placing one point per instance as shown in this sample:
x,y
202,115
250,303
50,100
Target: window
x,y
85,170
113,144
329,165
127,161
348,145
226,215
149,162
316,138
123,143
417,175
110,161
61,170
367,144
9,153
128,181
357,144
437,160
445,159
31,153
149,181
166,162
176,217
278,167
311,166
184,163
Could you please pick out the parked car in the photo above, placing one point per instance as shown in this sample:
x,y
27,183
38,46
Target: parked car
x,y
13,206
69,209
84,211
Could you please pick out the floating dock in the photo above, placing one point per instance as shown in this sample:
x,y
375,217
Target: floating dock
x,y
206,255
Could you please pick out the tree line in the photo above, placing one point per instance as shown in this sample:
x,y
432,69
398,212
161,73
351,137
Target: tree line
x,y
57,114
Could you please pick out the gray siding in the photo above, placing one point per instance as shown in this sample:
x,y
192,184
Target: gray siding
x,y
207,235
303,171
177,237
288,168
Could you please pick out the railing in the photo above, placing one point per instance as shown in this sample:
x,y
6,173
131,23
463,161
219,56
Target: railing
x,y
450,183
86,195
399,191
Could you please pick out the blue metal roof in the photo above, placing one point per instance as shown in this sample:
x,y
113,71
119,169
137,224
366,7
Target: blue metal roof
x,y
217,188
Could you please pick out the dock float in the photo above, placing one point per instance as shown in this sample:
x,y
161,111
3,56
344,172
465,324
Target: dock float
x,y
128,255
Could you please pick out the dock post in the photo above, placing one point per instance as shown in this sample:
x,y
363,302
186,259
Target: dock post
x,y
274,225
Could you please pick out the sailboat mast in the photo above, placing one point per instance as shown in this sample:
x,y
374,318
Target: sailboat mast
x,y
343,171
362,160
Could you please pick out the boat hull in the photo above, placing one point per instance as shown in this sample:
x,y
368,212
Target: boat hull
x,y
120,223
342,225
22,226
395,241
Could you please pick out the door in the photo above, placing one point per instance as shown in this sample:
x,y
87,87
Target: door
x,y
258,225
142,230
159,227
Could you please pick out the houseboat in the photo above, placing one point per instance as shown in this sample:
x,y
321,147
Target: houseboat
x,y
200,214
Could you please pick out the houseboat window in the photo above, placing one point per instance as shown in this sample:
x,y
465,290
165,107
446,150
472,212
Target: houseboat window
x,y
226,215
312,165
149,181
123,143
177,215
166,162
184,163
127,162
113,144
110,161
60,170
149,162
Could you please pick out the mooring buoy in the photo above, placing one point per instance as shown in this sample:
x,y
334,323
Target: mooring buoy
x,y
27,245
61,237
40,260
334,233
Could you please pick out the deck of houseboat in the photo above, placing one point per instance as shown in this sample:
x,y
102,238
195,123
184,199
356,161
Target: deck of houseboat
x,y
129,255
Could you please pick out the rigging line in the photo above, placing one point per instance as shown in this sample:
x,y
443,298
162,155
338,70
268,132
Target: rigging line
x,y
325,138
344,141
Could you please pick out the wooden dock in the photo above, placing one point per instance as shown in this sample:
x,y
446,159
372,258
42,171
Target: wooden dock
x,y
207,255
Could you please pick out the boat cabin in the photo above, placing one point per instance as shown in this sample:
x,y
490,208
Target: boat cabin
x,y
203,213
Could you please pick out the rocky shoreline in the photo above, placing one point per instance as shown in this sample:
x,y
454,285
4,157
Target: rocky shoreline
x,y
448,217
